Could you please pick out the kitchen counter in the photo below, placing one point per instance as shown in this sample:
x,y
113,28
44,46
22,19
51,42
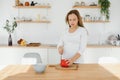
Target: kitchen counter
x,y
84,72
55,46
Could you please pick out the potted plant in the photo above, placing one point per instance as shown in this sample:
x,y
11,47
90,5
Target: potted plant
x,y
105,5
10,29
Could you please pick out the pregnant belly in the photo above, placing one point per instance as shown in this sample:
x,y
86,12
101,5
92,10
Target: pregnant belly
x,y
70,50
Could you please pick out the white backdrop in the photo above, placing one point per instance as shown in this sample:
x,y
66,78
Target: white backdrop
x,y
50,33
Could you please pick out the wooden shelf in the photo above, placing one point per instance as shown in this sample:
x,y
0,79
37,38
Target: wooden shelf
x,y
33,21
32,6
102,46
41,46
86,6
96,21
55,46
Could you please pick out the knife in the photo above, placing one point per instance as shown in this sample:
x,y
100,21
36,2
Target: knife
x,y
60,57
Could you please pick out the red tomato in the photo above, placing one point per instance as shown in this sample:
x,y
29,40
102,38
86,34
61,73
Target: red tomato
x,y
63,63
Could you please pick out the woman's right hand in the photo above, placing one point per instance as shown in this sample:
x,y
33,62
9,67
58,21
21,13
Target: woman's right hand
x,y
60,49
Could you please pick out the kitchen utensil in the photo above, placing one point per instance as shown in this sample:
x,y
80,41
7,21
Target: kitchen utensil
x,y
60,58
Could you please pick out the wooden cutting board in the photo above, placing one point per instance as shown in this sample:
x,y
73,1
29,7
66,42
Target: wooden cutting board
x,y
73,67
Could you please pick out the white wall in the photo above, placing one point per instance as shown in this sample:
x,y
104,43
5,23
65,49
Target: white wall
x,y
50,33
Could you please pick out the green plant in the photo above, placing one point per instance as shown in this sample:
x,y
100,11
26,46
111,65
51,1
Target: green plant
x,y
105,4
10,28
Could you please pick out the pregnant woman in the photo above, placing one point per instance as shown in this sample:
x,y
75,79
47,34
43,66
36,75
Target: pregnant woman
x,y
73,42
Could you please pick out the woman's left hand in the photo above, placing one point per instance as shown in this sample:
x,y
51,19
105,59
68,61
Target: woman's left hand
x,y
69,62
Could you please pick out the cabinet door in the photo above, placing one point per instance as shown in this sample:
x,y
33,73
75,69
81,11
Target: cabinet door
x,y
10,55
92,55
53,56
14,55
41,52
115,52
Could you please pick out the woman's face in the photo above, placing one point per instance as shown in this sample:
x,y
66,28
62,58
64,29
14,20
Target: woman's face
x,y
73,20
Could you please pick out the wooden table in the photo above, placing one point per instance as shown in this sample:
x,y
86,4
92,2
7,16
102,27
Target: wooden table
x,y
84,72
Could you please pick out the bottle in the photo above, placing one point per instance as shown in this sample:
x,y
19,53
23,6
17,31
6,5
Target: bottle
x,y
38,17
10,40
17,2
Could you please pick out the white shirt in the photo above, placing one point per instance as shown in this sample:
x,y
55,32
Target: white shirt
x,y
74,43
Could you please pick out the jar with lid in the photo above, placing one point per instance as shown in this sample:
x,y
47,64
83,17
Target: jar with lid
x,y
87,17
27,3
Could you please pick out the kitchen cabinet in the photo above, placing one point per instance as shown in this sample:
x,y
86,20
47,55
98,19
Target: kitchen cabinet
x,y
115,52
14,55
53,56
50,55
92,55
95,52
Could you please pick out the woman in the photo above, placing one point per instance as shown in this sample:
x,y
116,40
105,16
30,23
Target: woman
x,y
73,43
